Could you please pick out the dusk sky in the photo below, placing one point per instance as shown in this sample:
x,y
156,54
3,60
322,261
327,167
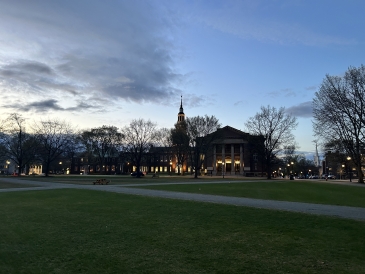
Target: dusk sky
x,y
95,63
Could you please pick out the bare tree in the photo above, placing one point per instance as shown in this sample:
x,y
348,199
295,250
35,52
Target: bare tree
x,y
180,144
102,142
276,127
202,132
163,138
339,113
289,152
53,139
139,136
19,145
163,144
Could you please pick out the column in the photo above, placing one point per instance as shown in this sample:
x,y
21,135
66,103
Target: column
x,y
232,160
223,158
241,159
214,164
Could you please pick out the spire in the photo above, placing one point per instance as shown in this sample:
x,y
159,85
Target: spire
x,y
181,107
181,115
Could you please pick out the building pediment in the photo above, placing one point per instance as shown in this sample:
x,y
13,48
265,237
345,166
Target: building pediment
x,y
228,132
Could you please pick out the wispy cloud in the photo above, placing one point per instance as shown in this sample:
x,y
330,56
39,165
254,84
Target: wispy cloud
x,y
49,105
303,110
311,88
285,92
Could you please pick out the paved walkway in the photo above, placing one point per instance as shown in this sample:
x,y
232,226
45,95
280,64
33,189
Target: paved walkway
x,y
347,212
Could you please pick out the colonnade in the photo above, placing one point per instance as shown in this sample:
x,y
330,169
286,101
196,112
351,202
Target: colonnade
x,y
221,159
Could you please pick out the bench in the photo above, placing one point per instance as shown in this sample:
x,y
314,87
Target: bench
x,y
101,182
155,175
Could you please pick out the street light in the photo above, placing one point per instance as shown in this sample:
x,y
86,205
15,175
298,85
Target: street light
x,y
170,167
349,159
341,171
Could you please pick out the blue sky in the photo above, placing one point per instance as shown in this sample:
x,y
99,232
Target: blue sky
x,y
97,63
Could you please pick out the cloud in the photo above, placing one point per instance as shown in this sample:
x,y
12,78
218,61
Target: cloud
x,y
311,88
116,52
285,92
25,67
238,103
48,106
303,110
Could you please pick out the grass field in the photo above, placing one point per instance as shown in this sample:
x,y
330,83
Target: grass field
x,y
80,231
115,179
297,191
284,190
4,185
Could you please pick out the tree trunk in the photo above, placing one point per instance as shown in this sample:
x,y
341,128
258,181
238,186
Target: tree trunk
x,y
268,169
360,174
196,166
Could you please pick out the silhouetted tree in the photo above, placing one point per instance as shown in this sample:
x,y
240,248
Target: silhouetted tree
x,y
53,138
139,136
339,113
102,142
202,132
19,145
276,127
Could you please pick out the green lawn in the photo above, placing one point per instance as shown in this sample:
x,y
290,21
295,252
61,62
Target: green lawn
x,y
297,191
12,185
80,231
115,179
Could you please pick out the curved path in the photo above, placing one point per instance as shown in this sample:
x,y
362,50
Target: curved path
x,y
355,213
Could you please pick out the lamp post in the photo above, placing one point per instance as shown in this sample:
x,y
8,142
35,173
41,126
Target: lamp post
x,y
170,167
309,173
341,171
349,159
288,170
223,168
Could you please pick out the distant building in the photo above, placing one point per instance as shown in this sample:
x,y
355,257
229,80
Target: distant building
x,y
234,153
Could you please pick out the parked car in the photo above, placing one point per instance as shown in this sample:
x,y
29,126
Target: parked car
x,y
313,177
331,177
140,173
